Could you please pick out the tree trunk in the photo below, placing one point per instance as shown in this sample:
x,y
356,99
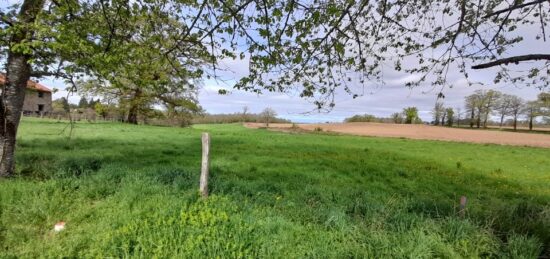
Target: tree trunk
x,y
472,115
18,73
501,120
133,115
13,95
485,120
134,108
515,122
530,122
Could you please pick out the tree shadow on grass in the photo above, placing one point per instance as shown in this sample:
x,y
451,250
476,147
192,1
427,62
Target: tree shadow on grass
x,y
319,177
46,158
305,183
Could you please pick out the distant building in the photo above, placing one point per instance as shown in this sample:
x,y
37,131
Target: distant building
x,y
38,98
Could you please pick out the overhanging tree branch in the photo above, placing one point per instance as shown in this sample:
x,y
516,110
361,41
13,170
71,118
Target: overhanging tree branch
x,y
5,19
514,7
515,60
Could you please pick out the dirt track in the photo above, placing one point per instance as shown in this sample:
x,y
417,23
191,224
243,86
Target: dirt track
x,y
424,132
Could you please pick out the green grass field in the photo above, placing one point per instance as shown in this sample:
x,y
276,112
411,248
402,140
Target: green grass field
x,y
132,191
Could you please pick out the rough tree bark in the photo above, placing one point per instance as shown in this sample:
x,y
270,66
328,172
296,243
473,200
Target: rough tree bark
x,y
133,114
18,72
134,108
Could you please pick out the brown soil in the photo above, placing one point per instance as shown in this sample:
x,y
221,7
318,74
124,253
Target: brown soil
x,y
423,132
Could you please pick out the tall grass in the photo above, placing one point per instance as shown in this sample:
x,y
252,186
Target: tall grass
x,y
132,191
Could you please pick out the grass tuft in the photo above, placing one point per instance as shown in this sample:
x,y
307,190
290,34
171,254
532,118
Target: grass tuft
x,y
132,191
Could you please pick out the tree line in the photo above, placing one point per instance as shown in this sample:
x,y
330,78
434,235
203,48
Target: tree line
x,y
482,105
408,115
479,108
93,109
157,52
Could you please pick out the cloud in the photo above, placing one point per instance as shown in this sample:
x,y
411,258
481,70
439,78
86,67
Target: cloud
x,y
379,100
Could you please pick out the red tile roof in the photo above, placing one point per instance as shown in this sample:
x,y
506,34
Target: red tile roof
x,y
30,84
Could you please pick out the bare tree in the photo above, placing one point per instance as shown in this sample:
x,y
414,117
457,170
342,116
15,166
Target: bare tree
x,y
245,113
544,99
503,106
458,110
516,106
438,112
489,101
471,104
397,117
480,104
268,115
532,110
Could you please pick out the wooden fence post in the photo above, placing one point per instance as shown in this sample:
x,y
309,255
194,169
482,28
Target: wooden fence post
x,y
462,210
204,165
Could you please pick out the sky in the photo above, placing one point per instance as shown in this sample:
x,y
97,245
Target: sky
x,y
377,100
380,101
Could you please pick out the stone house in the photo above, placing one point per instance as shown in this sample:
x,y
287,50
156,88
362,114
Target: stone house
x,y
38,98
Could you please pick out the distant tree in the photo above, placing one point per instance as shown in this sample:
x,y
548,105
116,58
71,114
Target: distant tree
x,y
362,118
314,44
268,115
490,99
450,116
531,111
245,113
57,107
471,104
61,104
205,118
516,106
179,98
480,104
544,100
83,103
101,109
458,110
438,112
545,97
502,107
92,103
397,117
411,115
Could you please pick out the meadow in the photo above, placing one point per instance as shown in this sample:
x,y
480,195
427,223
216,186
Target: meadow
x,y
132,191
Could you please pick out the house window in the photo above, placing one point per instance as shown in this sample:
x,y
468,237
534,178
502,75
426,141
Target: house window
x,y
41,107
40,94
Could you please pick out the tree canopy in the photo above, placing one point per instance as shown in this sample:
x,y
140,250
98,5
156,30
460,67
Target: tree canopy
x,y
313,47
